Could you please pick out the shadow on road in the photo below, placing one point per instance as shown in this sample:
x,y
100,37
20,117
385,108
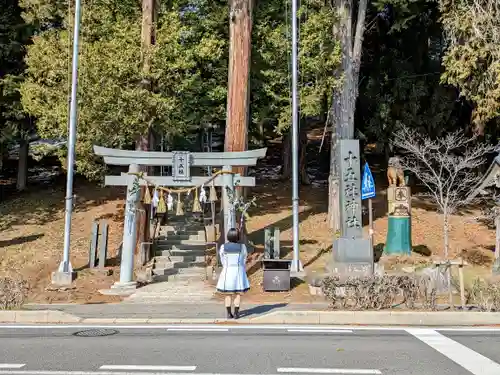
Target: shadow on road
x,y
263,309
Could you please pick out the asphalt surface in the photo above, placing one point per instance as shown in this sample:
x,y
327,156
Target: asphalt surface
x,y
247,350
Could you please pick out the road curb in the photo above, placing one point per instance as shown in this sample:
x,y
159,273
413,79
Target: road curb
x,y
157,321
37,317
352,318
381,318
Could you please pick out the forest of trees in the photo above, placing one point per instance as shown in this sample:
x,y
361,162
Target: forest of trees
x,y
374,66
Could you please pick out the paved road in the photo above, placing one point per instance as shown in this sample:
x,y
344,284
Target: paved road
x,y
127,350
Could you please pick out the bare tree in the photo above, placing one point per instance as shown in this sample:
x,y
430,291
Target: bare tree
x,y
447,166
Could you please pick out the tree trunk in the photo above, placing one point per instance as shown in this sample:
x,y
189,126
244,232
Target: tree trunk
x,y
147,35
324,109
303,142
497,236
238,93
333,178
262,135
344,100
446,229
22,169
144,141
286,170
1,156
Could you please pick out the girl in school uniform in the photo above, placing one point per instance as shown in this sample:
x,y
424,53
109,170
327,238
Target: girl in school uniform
x,y
233,281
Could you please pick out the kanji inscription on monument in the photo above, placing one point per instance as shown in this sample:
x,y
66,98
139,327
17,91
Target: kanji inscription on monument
x,y
181,161
350,182
352,254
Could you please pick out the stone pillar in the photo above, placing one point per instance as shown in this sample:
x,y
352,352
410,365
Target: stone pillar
x,y
352,254
129,233
22,170
227,207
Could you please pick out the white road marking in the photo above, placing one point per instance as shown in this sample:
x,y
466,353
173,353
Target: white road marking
x,y
465,329
11,365
320,330
147,368
48,372
194,329
282,327
470,360
297,370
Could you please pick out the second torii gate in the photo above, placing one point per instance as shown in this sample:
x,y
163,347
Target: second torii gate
x,y
181,162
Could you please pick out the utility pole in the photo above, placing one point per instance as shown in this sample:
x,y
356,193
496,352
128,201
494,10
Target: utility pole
x,y
296,265
64,275
238,92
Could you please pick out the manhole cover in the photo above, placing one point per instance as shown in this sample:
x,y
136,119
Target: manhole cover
x,y
96,333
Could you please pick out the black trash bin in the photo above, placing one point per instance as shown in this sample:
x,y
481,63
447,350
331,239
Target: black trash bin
x,y
276,275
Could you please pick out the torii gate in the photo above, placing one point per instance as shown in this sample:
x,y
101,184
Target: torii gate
x,y
181,161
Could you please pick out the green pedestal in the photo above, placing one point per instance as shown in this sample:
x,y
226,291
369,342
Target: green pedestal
x,y
398,240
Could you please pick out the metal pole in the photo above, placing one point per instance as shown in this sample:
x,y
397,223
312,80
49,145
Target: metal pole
x,y
296,267
370,219
65,265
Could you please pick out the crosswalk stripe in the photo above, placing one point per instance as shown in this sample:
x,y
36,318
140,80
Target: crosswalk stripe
x,y
146,368
198,329
470,360
320,330
69,372
343,371
11,365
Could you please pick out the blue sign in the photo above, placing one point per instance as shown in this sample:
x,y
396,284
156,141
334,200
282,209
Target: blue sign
x,y
367,184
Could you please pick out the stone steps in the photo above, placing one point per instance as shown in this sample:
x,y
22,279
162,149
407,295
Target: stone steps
x,y
181,236
179,231
182,228
200,248
180,252
180,272
190,258
179,241
179,266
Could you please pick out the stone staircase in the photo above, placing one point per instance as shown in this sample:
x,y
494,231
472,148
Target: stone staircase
x,y
178,268
180,252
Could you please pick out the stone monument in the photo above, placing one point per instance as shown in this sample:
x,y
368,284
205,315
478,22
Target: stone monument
x,y
352,254
398,240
